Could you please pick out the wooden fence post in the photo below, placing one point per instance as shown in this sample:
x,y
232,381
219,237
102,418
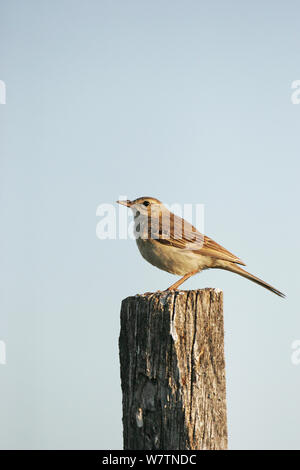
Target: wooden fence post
x,y
173,371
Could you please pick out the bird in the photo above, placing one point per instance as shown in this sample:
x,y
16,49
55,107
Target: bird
x,y
174,245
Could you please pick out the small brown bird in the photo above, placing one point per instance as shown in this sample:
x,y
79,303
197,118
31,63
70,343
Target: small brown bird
x,y
174,245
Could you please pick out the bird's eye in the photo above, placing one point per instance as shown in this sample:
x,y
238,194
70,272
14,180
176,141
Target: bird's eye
x,y
146,203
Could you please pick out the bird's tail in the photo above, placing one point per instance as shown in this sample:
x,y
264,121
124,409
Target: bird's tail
x,y
238,270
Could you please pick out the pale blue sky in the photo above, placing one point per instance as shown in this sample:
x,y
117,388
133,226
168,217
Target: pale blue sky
x,y
187,101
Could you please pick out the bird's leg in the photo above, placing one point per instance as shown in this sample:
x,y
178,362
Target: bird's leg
x,y
184,278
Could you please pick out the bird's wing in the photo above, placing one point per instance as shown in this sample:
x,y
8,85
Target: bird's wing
x,y
213,249
181,234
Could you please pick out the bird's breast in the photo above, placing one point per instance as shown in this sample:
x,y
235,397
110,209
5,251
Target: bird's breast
x,y
171,259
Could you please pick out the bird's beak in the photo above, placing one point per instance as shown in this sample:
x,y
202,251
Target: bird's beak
x,y
125,203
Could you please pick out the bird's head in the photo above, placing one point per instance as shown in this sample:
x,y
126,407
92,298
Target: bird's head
x,y
144,206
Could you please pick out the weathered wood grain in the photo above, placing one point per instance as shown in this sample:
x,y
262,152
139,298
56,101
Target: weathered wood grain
x,y
173,371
